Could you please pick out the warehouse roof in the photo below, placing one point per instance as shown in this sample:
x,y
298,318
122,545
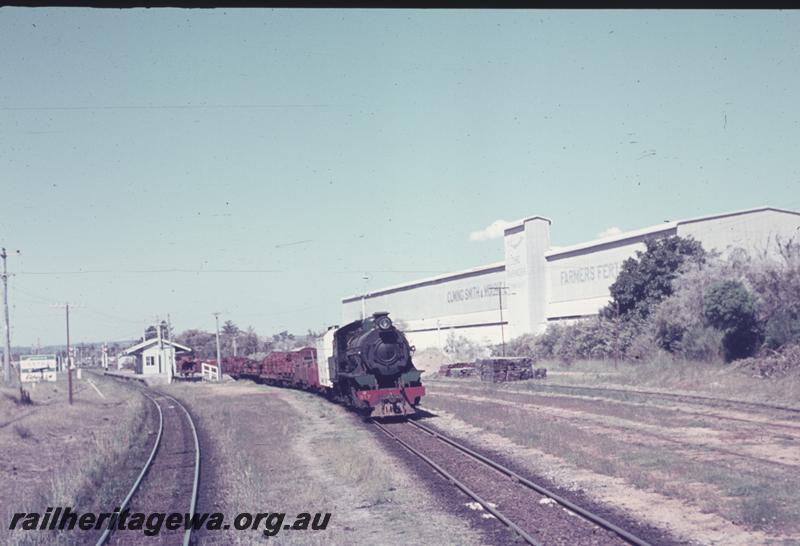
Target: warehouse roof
x,y
556,253
619,238
464,273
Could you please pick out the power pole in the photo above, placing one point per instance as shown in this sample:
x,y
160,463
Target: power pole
x,y
500,289
7,351
365,278
234,344
69,361
69,352
219,358
616,337
160,347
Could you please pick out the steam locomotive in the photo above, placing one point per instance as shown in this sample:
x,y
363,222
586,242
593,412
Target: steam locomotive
x,y
365,364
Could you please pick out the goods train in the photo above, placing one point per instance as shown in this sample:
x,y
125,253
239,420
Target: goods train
x,y
365,365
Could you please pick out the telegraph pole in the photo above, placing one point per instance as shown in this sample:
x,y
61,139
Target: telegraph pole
x,y
69,360
219,358
500,289
365,278
7,351
616,337
69,355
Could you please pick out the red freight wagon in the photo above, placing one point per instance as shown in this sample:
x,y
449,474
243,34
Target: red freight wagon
x,y
251,368
305,368
240,366
277,368
296,368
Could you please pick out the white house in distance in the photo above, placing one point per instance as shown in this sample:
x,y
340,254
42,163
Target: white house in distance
x,y
156,356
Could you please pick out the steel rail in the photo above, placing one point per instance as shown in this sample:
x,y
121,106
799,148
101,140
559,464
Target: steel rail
x,y
697,397
463,487
195,486
107,533
193,504
586,514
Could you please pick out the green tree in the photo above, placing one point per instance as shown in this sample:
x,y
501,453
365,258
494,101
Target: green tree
x,y
283,341
229,328
203,343
730,308
249,341
646,280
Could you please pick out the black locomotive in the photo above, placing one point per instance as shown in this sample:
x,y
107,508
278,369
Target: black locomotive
x,y
374,369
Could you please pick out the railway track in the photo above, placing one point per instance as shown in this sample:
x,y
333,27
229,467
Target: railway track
x,y
166,482
699,399
711,403
523,506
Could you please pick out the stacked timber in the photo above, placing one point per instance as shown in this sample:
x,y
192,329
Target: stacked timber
x,y
502,369
458,369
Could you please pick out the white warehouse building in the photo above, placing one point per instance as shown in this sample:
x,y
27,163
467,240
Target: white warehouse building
x,y
540,283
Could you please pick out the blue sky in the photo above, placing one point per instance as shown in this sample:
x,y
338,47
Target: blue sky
x,y
285,153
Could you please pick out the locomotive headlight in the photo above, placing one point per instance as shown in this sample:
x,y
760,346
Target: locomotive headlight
x,y
384,323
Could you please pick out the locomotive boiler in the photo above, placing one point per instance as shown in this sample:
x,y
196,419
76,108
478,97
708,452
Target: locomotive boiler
x,y
371,367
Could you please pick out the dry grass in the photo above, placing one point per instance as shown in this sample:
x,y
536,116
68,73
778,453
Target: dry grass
x,y
761,497
23,431
662,372
278,450
107,460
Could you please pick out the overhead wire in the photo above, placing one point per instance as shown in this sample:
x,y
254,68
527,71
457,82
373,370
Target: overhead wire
x,y
163,107
198,271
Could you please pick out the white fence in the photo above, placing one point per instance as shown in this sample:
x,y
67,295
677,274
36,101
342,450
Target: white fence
x,y
209,372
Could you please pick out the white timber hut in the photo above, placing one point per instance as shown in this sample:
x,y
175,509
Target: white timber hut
x,y
156,356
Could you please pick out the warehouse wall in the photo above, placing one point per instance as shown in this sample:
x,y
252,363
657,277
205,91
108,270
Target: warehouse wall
x,y
463,302
756,232
544,284
526,273
579,281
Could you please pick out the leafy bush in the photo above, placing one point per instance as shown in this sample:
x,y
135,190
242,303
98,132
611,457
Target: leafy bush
x,y
524,345
646,280
642,348
782,328
592,338
461,349
678,324
731,308
777,284
545,346
775,364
